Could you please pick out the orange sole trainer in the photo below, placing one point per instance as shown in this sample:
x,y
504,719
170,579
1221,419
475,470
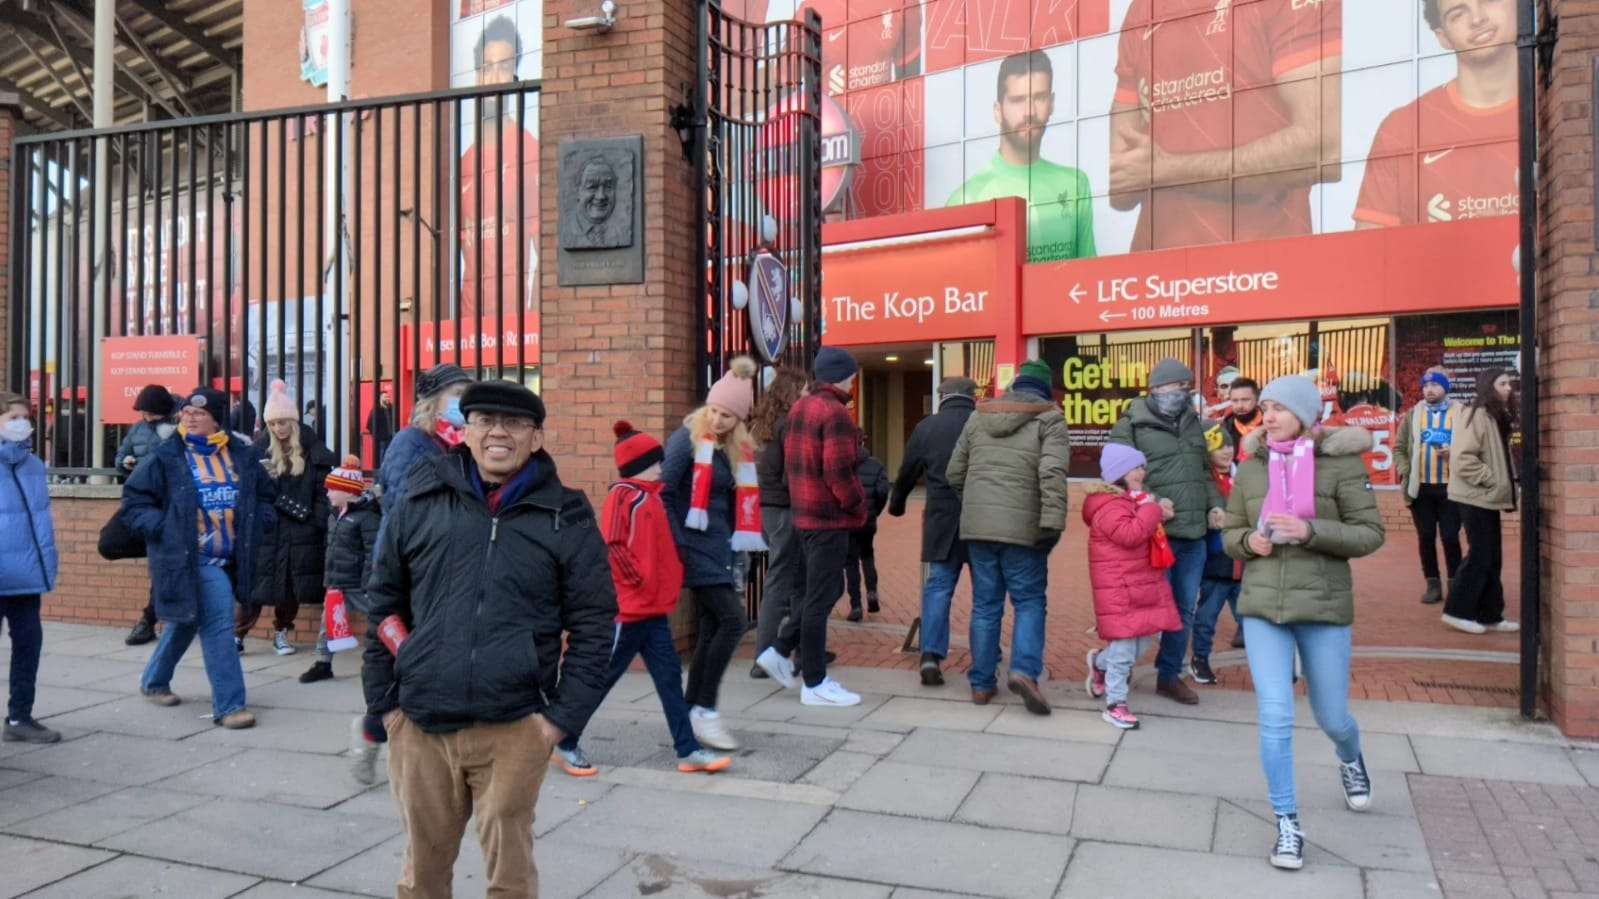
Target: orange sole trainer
x,y
574,772
721,764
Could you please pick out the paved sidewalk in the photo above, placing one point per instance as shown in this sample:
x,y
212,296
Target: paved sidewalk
x,y
915,793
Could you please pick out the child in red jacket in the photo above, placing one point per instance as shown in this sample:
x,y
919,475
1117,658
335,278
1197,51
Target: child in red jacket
x,y
1127,561
649,577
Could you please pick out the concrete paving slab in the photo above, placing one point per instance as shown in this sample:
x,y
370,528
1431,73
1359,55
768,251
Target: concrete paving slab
x,y
272,775
107,815
1401,885
258,658
1497,761
377,801
873,742
1367,839
1061,724
138,717
275,889
1119,815
1020,803
785,706
1055,759
920,791
1587,762
1178,771
120,759
912,893
30,864
327,733
46,794
79,671
724,784
839,770
667,878
615,743
92,642
716,828
260,838
1113,871
1242,741
288,693
128,876
933,854
782,758
565,871
1242,832
10,777
905,714
59,700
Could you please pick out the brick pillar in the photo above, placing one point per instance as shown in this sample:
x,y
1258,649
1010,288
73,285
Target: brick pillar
x,y
10,115
1569,331
625,351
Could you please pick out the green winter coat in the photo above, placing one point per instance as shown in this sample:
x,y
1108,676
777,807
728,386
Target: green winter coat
x,y
1309,583
1179,465
1009,467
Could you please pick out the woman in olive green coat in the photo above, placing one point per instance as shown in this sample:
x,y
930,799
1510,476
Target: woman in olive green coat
x,y
1301,508
1483,485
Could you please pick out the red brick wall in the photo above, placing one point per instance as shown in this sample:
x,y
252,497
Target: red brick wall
x,y
1568,329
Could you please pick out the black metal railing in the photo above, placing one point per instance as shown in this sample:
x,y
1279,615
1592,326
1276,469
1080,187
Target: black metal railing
x,y
342,248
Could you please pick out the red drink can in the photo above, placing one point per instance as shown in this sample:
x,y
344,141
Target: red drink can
x,y
393,633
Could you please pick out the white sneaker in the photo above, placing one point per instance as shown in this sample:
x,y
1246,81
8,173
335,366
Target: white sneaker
x,y
1462,624
363,754
710,730
1506,627
281,644
829,693
778,668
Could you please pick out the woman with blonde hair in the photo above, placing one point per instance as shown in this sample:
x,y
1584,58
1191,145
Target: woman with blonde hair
x,y
436,425
785,566
289,559
712,498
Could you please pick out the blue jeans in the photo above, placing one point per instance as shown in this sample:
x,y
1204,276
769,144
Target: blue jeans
x,y
1324,653
214,625
1213,594
1184,578
652,638
1022,571
938,592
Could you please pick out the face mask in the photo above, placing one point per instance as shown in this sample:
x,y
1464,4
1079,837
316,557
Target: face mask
x,y
1169,405
452,412
165,430
17,430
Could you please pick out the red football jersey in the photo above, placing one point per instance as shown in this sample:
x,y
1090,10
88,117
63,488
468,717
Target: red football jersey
x,y
866,42
1438,160
1203,73
486,169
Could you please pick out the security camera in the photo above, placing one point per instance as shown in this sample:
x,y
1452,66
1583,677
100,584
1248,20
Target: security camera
x,y
601,23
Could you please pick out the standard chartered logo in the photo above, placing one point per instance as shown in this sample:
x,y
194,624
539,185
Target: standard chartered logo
x,y
1467,206
1199,87
836,82
1438,209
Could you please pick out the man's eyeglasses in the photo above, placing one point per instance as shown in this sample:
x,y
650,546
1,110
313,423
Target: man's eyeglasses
x,y
515,425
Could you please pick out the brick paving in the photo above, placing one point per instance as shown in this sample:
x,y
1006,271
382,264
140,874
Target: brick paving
x,y
1490,838
1388,586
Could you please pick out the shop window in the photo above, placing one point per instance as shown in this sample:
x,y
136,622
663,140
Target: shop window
x,y
1097,376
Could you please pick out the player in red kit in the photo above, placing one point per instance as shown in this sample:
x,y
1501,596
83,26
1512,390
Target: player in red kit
x,y
1225,112
1453,153
867,42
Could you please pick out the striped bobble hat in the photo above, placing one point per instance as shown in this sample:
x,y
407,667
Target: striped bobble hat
x,y
635,450
347,478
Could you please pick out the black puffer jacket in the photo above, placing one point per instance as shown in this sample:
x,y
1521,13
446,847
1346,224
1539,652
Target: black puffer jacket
x,y
487,599
351,537
290,559
928,453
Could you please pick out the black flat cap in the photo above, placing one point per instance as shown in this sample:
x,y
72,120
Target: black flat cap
x,y
504,397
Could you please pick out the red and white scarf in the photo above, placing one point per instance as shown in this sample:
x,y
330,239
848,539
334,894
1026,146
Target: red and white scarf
x,y
699,503
747,535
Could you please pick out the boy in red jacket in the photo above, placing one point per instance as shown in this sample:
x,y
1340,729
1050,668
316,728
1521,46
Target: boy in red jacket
x,y
649,577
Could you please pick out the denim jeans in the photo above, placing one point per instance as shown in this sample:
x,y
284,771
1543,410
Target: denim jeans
x,y
721,625
1213,594
1184,578
938,592
1117,660
652,638
785,578
21,614
213,624
998,568
1324,653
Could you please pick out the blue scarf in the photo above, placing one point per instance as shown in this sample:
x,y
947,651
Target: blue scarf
x,y
505,495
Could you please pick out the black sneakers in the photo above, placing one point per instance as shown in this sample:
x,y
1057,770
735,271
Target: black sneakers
x,y
1357,784
143,632
1289,853
28,730
1201,671
318,671
931,675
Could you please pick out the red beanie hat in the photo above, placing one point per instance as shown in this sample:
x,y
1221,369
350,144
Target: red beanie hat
x,y
635,450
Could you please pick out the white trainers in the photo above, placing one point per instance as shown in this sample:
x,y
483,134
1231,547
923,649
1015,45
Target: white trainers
x,y
1462,624
710,730
829,693
1506,627
363,754
281,644
777,668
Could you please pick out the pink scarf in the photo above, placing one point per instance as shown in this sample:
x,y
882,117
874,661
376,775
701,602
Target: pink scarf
x,y
1292,473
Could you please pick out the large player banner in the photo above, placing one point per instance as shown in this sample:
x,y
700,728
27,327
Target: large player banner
x,y
1150,124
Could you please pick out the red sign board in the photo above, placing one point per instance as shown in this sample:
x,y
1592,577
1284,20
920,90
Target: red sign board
x,y
1387,271
127,364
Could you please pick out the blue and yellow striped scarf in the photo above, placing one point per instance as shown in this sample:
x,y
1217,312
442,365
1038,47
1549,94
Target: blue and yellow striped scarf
x,y
216,486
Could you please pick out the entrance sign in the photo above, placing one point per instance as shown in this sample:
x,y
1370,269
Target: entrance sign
x,y
1418,268
127,364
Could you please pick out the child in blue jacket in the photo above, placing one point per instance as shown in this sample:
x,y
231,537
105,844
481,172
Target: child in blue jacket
x,y
27,564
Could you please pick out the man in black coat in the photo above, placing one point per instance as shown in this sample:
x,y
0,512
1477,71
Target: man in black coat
x,y
483,566
943,553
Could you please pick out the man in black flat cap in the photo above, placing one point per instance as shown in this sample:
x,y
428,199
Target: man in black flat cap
x,y
490,559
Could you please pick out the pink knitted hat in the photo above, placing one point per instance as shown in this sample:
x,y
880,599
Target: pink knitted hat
x,y
279,404
735,392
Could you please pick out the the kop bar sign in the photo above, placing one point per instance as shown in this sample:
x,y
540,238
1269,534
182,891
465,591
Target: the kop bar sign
x,y
779,143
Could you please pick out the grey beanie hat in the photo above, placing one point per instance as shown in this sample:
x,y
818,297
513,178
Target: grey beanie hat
x,y
1170,371
1299,395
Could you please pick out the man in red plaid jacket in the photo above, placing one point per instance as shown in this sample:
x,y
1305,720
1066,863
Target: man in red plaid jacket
x,y
820,452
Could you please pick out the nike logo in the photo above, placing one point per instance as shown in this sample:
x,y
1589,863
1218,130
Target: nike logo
x,y
1150,31
1431,158
833,36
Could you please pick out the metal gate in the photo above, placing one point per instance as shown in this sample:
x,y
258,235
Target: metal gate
x,y
758,155
341,248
